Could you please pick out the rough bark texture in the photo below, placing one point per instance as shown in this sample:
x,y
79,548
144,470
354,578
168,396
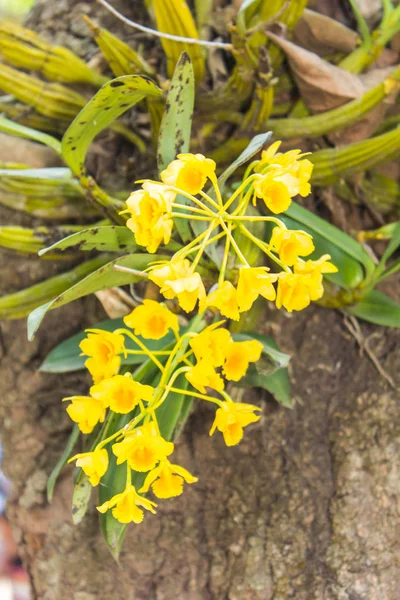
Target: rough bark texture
x,y
306,507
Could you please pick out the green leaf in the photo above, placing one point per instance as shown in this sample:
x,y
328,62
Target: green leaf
x,y
277,384
377,308
332,234
12,128
113,483
103,278
23,302
176,123
272,359
176,126
51,482
104,238
390,250
254,146
169,414
111,101
350,272
80,498
57,174
66,357
270,372
391,269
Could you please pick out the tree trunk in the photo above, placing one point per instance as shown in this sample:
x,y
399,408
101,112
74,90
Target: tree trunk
x,y
306,507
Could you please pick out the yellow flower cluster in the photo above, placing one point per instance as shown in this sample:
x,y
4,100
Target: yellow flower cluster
x,y
139,444
276,178
207,356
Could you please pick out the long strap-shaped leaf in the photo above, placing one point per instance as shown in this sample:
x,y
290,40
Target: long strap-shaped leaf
x,y
111,101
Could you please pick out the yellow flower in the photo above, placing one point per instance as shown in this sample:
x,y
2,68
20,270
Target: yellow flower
x,y
86,411
293,292
152,320
167,480
94,464
121,393
125,506
275,192
103,348
303,170
313,270
254,282
291,164
177,280
142,448
225,299
203,375
211,345
150,210
231,418
189,173
238,357
290,244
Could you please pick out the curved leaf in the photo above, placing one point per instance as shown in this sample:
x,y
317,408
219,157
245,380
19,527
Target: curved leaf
x,y
251,149
12,128
105,238
104,277
66,357
111,101
377,308
21,303
176,123
51,482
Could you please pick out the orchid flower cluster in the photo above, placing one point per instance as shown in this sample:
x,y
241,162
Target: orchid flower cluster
x,y
274,179
207,356
206,359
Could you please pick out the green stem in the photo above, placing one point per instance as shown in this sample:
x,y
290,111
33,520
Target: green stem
x,y
210,229
226,255
196,395
234,244
191,217
146,351
264,248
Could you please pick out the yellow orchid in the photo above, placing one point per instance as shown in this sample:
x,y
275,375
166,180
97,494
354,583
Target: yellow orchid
x,y
93,464
231,419
238,357
125,506
211,345
121,393
150,220
293,292
203,375
225,299
86,412
312,270
189,172
290,244
276,192
177,280
103,348
254,282
152,320
167,480
142,448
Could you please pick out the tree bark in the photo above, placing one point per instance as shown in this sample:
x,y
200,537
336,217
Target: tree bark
x,y
306,507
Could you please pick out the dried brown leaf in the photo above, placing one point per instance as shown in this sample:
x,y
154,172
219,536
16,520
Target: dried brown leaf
x,y
323,35
322,86
116,302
